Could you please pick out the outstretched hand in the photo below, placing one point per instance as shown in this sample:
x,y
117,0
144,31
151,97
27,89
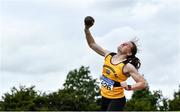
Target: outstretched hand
x,y
88,22
87,27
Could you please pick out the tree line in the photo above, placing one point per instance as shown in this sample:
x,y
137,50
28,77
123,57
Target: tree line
x,y
81,92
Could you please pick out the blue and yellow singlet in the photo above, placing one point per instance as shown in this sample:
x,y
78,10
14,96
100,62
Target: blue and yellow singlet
x,y
111,74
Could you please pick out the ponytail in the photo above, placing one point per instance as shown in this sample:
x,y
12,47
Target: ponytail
x,y
134,61
132,58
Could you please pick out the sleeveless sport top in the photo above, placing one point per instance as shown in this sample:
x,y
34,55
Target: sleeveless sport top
x,y
112,75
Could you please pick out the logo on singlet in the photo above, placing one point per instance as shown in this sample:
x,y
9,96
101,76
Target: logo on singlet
x,y
108,71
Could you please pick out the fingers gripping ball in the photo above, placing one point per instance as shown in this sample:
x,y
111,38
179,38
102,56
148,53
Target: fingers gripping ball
x,y
89,21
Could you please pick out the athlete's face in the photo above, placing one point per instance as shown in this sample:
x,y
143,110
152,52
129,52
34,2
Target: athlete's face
x,y
125,48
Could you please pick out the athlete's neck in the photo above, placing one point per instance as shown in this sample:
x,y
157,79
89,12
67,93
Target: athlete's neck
x,y
120,57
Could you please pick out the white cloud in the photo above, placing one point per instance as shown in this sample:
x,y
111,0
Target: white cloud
x,y
43,82
116,36
145,10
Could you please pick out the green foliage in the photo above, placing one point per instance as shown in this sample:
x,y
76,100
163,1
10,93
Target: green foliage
x,y
144,100
79,92
174,104
83,89
41,102
69,100
21,99
82,83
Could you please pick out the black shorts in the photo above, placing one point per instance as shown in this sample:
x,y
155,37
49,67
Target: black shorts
x,y
113,104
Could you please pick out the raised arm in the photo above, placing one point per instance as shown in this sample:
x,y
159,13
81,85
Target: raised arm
x,y
92,44
139,79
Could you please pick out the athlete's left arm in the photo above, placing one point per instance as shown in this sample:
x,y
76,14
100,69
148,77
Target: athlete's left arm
x,y
139,79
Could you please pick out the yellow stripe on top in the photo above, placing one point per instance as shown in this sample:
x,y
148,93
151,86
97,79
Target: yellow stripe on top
x,y
115,73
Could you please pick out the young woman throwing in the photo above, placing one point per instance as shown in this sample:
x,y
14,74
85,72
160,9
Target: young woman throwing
x,y
117,68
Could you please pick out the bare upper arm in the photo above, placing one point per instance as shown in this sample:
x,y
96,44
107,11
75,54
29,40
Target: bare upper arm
x,y
132,71
98,49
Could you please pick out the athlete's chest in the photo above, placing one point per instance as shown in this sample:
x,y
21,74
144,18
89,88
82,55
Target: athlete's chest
x,y
112,71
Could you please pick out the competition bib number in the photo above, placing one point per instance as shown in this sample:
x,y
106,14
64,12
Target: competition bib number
x,y
107,83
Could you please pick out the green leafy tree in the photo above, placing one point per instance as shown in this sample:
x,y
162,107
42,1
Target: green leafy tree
x,y
145,100
174,104
21,99
81,91
81,82
61,100
41,102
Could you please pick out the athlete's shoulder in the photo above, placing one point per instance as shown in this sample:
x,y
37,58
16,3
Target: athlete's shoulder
x,y
110,54
128,67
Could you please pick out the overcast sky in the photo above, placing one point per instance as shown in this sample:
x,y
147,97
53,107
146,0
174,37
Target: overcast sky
x,y
42,40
